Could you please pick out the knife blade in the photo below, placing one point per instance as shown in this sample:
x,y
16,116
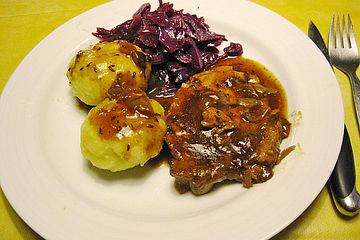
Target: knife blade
x,y
342,179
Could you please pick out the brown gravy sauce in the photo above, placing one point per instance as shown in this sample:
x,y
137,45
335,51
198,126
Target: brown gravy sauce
x,y
131,110
266,77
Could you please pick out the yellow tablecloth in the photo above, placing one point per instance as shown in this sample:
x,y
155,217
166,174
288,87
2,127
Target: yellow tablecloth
x,y
23,23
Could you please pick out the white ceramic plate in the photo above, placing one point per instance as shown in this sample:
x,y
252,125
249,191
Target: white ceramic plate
x,y
61,196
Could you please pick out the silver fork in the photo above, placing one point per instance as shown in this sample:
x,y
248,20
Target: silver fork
x,y
345,56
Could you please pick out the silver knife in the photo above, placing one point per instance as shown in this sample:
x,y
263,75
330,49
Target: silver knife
x,y
342,179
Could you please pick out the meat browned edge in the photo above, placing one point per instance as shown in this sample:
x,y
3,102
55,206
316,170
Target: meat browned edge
x,y
222,125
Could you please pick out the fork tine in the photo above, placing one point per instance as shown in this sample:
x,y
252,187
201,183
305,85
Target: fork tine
x,y
331,34
345,36
351,34
338,36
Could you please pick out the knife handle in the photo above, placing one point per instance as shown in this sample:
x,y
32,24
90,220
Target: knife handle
x,y
342,180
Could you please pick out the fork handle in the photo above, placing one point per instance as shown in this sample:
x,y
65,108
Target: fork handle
x,y
356,94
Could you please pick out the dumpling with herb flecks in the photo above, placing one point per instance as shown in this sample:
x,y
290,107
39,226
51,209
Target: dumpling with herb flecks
x,y
93,70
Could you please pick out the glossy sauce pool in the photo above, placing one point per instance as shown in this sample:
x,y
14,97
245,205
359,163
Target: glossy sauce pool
x,y
266,77
241,64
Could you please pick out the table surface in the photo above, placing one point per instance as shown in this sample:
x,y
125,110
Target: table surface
x,y
24,23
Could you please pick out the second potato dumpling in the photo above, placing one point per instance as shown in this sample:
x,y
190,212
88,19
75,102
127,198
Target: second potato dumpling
x,y
93,70
123,131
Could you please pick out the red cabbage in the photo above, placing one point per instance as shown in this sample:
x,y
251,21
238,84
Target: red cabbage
x,y
180,44
235,49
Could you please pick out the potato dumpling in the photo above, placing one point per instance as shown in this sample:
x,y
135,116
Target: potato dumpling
x,y
93,70
124,132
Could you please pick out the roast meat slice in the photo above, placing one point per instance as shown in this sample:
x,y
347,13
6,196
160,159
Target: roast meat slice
x,y
221,126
